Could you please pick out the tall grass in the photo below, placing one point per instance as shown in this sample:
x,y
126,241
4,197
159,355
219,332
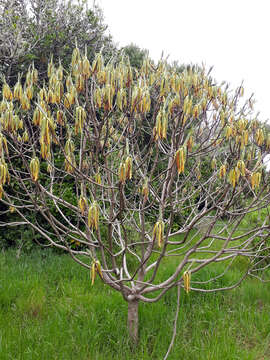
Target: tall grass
x,y
49,310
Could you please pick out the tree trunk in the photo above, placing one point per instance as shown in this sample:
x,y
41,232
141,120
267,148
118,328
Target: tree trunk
x,y
133,320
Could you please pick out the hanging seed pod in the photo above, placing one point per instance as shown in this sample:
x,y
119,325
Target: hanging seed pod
x,y
60,118
222,171
196,111
228,132
145,189
109,93
59,72
119,100
158,232
18,90
75,57
1,191
34,75
16,123
187,277
255,180
95,268
25,136
82,204
69,83
93,273
93,216
86,68
97,63
8,121
245,137
7,93
188,108
25,102
3,145
80,116
4,174
98,178
128,168
259,137
237,174
20,123
45,136
68,164
68,100
51,97
43,149
98,97
52,81
69,146
37,116
241,166
134,99
180,159
43,95
164,125
222,117
3,106
190,143
59,91
121,172
102,77
158,127
34,169
213,163
29,92
98,268
29,77
51,69
79,83
232,178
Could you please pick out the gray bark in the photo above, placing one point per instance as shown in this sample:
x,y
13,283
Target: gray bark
x,y
133,320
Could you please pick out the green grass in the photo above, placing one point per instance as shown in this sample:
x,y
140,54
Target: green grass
x,y
49,310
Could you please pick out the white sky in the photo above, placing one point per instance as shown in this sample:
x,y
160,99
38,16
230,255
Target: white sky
x,y
231,35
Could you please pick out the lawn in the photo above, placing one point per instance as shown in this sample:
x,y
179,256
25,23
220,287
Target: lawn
x,y
49,310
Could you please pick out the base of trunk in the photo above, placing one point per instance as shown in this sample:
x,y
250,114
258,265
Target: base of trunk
x,y
133,320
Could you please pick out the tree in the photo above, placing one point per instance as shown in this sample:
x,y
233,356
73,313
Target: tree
x,y
135,54
37,29
112,157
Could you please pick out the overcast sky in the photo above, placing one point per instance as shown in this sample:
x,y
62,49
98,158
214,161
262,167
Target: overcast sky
x,y
231,35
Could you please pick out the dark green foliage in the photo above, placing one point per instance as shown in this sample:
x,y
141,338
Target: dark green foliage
x,y
136,55
48,27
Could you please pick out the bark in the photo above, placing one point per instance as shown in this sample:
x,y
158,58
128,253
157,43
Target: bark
x,y
133,320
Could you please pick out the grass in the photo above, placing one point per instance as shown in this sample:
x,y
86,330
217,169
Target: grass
x,y
48,310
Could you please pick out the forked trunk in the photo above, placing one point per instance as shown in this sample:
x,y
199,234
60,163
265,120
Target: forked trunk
x,y
133,320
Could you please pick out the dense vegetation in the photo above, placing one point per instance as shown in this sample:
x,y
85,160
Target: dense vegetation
x,y
39,29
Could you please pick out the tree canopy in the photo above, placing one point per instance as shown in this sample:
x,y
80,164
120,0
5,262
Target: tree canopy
x,y
106,162
126,164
